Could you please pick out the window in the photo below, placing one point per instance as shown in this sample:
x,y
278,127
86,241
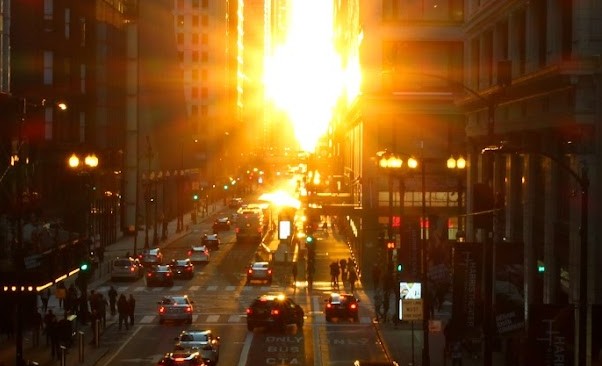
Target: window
x,y
195,74
180,4
194,110
195,3
48,9
204,75
205,4
204,93
181,56
82,31
420,10
180,20
204,111
195,20
205,39
195,38
48,67
194,92
205,20
67,23
180,38
195,56
204,56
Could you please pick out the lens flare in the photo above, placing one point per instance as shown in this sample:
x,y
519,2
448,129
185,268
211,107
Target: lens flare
x,y
304,75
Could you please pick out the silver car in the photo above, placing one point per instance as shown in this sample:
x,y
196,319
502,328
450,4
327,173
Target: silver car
x,y
175,308
125,268
259,271
202,340
199,254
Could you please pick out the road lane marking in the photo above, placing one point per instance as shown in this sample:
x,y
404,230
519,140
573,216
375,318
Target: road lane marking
x,y
316,333
234,318
147,319
211,288
194,288
212,318
244,355
128,339
176,288
230,288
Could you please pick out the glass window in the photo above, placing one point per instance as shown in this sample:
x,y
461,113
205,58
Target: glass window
x,y
48,9
195,56
195,38
48,67
180,20
195,20
205,20
205,39
419,10
205,4
195,3
180,38
67,23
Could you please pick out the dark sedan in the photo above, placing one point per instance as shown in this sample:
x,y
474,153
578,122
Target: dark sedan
x,y
182,268
342,306
161,275
221,224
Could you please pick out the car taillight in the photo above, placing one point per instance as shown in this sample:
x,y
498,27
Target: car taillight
x,y
275,312
250,271
329,305
162,309
269,271
149,274
189,253
132,269
189,309
353,306
189,268
168,274
237,230
249,311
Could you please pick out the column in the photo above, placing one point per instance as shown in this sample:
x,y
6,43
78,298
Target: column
x,y
531,188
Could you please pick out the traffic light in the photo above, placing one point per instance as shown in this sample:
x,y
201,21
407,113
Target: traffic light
x,y
85,266
309,240
390,245
399,267
195,197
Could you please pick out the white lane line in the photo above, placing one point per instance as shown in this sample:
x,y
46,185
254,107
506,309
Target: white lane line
x,y
316,333
194,288
129,338
212,318
147,319
244,355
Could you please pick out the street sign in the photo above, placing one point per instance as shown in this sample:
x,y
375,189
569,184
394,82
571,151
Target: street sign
x,y
410,309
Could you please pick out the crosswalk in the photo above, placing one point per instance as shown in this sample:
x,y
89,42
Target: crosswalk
x,y
313,318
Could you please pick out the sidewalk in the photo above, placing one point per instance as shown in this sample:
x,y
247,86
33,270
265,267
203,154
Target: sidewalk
x,y
92,354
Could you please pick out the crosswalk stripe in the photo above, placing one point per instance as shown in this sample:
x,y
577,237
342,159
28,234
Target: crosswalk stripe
x,y
212,318
195,317
230,288
147,319
194,288
211,288
176,288
139,289
234,318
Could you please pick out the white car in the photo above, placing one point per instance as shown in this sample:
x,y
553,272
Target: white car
x,y
199,254
259,271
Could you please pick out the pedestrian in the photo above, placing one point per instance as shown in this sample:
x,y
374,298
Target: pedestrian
x,y
112,300
122,309
343,266
44,297
295,274
334,274
49,317
94,323
37,324
71,299
131,308
101,308
352,278
52,332
61,293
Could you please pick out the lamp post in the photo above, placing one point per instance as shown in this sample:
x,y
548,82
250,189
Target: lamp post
x,y
458,165
583,181
85,167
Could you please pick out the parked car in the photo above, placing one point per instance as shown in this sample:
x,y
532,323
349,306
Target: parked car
x,y
182,268
211,241
175,308
151,257
160,275
203,340
274,310
126,268
221,224
199,254
342,306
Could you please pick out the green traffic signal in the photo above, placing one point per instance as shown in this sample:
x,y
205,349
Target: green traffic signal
x,y
399,267
195,197
84,267
309,239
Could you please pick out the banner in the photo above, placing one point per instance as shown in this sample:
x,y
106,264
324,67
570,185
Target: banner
x,y
551,335
509,303
467,277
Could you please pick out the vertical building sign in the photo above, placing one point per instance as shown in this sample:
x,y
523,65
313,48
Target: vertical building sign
x,y
551,335
467,279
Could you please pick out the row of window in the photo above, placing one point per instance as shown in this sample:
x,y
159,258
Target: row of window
x,y
194,38
423,10
193,56
204,20
195,4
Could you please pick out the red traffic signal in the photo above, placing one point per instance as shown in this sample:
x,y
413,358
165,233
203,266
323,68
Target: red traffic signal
x,y
390,245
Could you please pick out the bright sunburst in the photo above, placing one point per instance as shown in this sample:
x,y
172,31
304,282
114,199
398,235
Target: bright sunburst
x,y
304,76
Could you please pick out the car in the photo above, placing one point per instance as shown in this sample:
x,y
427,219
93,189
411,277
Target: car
x,y
274,310
199,254
202,340
182,358
160,275
221,224
259,271
182,268
341,306
211,241
175,307
235,202
151,257
126,268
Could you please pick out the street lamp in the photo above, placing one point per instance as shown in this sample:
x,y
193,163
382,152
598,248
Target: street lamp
x,y
583,181
459,165
85,166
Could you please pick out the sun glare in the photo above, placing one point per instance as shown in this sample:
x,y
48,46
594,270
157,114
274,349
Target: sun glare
x,y
304,77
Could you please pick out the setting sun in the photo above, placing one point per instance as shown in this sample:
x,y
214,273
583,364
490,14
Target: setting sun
x,y
304,75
